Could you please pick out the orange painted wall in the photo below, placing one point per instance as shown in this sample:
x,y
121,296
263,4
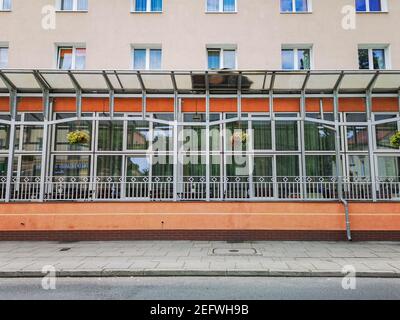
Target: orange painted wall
x,y
385,105
4,104
207,216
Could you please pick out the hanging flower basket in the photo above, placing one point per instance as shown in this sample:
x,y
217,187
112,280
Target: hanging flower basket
x,y
239,137
78,137
395,140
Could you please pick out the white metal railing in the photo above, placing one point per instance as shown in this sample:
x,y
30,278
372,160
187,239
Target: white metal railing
x,y
238,188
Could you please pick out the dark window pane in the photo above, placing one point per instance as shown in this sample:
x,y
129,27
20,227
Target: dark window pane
x,y
363,60
213,59
286,5
384,132
321,166
286,135
304,59
319,137
375,5
378,56
71,166
262,135
110,136
287,166
229,5
301,5
361,5
138,135
109,166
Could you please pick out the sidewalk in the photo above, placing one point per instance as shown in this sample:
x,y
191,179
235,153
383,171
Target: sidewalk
x,y
199,258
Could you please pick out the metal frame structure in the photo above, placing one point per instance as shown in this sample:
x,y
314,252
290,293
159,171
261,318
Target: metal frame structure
x,y
240,85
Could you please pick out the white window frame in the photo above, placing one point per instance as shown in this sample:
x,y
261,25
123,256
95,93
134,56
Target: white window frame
x,y
384,7
147,48
74,7
5,46
221,50
2,6
370,49
309,7
73,60
296,55
148,7
221,7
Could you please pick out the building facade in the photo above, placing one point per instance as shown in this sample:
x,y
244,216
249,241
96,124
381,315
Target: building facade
x,y
241,106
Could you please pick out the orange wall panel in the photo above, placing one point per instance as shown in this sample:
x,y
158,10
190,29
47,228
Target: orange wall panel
x,y
4,104
193,105
30,105
160,105
255,105
385,105
351,105
286,105
312,105
127,105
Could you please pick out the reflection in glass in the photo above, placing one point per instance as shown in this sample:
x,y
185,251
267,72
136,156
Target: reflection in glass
x,y
137,166
287,166
30,166
286,135
358,166
321,166
71,166
384,131
388,166
262,135
62,130
319,137
110,136
109,166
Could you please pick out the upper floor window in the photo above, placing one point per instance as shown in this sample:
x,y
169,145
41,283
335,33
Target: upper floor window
x,y
71,58
147,5
3,57
371,5
73,5
295,5
220,58
372,58
296,58
221,5
147,58
5,5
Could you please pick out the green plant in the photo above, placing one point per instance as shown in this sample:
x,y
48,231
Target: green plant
x,y
78,137
395,140
238,137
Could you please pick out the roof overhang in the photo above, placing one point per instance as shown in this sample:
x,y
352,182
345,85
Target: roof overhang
x,y
192,82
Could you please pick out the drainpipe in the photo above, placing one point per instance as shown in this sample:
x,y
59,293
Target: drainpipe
x,y
346,209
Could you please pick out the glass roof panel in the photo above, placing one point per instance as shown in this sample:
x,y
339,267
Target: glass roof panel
x,y
157,81
91,81
2,84
114,81
58,80
356,81
23,80
322,81
387,81
289,81
130,81
255,81
183,81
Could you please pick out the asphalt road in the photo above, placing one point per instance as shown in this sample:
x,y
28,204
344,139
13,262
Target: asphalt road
x,y
199,288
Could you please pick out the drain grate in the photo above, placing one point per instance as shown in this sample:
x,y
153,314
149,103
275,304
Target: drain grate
x,y
234,252
65,249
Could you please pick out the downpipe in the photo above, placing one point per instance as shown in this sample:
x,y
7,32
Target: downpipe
x,y
346,210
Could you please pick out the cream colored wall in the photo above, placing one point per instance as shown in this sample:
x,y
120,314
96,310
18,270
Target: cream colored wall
x,y
184,30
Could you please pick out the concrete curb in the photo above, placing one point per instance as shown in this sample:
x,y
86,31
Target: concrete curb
x,y
194,273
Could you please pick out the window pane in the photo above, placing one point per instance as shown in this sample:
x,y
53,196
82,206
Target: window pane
x,y
262,167
287,59
319,137
67,4
156,5
137,167
33,138
303,59
385,131
82,5
139,56
237,136
4,136
229,59
301,5
110,135
30,166
286,135
388,167
287,166
363,59
229,5
109,166
378,56
213,5
213,59
141,5
375,5
138,135
262,135
3,57
162,166
80,58
194,166
6,4
163,134
155,59
321,166
358,166
286,6
71,166
193,138
361,5
65,58
3,169
357,138
62,130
